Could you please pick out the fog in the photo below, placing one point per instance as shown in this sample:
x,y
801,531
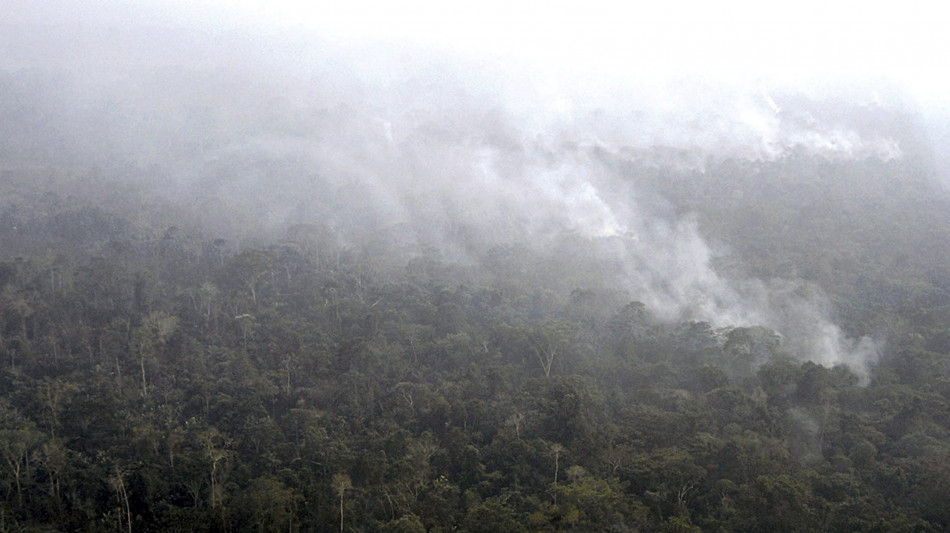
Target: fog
x,y
437,136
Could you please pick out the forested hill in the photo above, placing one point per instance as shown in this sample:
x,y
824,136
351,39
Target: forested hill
x,y
871,233
164,378
260,279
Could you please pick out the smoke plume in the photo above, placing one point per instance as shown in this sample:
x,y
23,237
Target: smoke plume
x,y
255,134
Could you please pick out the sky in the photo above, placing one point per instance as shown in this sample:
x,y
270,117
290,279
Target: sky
x,y
804,45
794,43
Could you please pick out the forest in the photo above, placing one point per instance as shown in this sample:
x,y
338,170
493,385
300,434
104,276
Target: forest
x,y
158,379
265,282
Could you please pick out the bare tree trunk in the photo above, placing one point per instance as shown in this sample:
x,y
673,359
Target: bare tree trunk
x,y
142,366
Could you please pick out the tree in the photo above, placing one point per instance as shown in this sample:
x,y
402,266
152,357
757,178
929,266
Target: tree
x,y
548,339
216,449
268,504
341,483
18,442
251,268
117,482
155,331
490,516
408,523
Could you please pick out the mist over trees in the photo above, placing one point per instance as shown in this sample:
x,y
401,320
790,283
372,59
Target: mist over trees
x,y
260,281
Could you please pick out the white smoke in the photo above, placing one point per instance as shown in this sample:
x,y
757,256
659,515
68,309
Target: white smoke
x,y
484,177
431,151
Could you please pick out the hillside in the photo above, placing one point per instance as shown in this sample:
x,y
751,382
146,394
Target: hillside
x,y
266,282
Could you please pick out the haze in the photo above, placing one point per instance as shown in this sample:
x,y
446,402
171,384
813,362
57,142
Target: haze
x,y
434,126
800,43
508,266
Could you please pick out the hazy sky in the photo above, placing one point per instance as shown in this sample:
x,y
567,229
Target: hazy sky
x,y
234,104
799,43
804,44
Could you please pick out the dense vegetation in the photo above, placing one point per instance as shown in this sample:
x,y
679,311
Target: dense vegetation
x,y
156,378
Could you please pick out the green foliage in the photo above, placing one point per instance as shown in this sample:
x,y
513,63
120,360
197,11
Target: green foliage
x,y
162,381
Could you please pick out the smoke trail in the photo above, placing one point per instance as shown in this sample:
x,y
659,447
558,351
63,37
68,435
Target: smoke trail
x,y
429,151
